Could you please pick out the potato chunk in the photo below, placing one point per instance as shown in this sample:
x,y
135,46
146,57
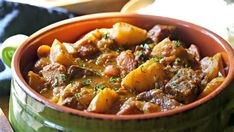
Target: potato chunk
x,y
59,54
212,65
103,101
211,86
126,34
144,77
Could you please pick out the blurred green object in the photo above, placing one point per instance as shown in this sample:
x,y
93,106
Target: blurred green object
x,y
25,19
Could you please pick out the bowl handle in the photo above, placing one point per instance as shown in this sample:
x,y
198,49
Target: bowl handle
x,y
9,46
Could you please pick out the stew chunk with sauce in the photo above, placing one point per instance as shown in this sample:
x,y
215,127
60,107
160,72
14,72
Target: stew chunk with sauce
x,y
125,70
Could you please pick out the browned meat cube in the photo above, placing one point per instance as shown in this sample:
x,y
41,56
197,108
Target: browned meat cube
x,y
75,71
184,86
160,32
88,49
156,96
132,106
42,62
36,82
126,62
55,74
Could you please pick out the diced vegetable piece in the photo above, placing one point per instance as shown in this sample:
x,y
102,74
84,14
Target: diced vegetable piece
x,y
35,81
126,34
212,65
193,50
144,77
70,48
55,74
103,101
111,70
67,92
168,48
160,32
86,96
211,86
43,51
60,54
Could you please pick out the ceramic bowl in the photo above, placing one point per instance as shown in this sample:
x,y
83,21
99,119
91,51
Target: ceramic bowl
x,y
29,111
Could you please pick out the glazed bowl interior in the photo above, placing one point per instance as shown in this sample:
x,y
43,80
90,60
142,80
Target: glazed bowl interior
x,y
70,31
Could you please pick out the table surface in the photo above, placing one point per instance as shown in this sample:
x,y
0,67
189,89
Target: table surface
x,y
4,104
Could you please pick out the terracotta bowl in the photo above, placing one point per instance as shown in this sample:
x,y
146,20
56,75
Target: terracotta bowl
x,y
29,111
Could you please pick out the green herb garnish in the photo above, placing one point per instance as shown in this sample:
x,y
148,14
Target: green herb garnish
x,y
141,67
63,77
113,80
104,36
157,59
177,43
81,64
99,72
178,59
86,82
55,83
156,85
100,87
115,88
78,95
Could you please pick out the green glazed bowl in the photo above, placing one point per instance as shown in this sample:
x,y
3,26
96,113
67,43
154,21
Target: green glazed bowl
x,y
29,111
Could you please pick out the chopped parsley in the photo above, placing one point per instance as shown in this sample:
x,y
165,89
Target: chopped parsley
x,y
104,36
178,59
157,59
100,87
115,88
55,83
156,85
141,67
63,77
113,79
177,43
81,64
86,82
78,95
99,72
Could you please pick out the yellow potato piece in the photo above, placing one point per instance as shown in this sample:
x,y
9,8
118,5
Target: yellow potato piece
x,y
103,101
168,48
126,34
211,86
144,77
211,65
59,54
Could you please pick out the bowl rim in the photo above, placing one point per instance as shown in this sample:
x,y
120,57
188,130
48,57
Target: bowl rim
x,y
26,88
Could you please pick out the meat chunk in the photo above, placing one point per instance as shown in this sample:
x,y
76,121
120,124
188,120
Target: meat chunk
x,y
193,50
156,96
36,82
55,74
111,70
160,32
132,106
75,71
184,86
42,62
87,50
126,62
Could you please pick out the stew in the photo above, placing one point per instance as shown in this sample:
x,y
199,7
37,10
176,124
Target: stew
x,y
125,70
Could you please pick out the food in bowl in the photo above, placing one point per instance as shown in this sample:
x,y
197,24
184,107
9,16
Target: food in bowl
x,y
125,70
